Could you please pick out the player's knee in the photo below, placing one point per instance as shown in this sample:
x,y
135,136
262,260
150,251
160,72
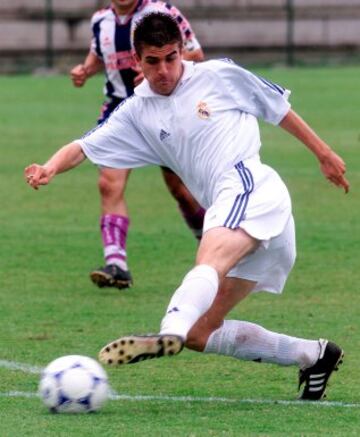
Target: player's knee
x,y
110,187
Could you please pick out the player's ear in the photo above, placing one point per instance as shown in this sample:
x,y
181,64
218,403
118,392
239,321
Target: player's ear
x,y
137,57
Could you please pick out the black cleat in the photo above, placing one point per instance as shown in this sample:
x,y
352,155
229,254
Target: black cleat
x,y
317,376
135,348
111,276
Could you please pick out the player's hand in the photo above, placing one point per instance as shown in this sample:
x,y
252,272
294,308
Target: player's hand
x,y
334,168
78,75
36,175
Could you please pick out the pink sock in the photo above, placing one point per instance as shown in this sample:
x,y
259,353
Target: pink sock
x,y
114,229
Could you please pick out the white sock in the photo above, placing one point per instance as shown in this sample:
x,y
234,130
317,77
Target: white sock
x,y
191,300
247,341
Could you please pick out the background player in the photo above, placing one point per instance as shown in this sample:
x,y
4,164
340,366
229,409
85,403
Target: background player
x,y
111,49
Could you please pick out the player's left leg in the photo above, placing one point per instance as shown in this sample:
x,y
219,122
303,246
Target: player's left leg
x,y
245,340
316,359
192,212
114,225
114,220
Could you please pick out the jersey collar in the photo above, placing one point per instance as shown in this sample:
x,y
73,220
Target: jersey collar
x,y
139,5
144,90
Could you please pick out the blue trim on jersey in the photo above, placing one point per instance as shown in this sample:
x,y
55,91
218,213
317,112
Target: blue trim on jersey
x,y
109,87
228,60
108,108
272,85
95,128
238,209
115,106
96,32
122,44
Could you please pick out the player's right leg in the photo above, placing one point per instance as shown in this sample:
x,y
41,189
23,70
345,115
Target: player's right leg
x,y
186,306
134,348
114,224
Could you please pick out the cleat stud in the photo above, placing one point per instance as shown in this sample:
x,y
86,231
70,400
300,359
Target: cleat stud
x,y
107,349
120,362
110,361
114,345
170,343
171,353
121,352
131,341
129,357
160,342
122,342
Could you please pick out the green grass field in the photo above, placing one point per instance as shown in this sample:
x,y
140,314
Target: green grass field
x,y
50,241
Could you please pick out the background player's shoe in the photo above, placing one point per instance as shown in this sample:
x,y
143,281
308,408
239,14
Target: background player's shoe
x,y
111,276
317,376
135,348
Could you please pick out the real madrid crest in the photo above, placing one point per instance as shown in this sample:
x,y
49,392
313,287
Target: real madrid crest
x,y
203,110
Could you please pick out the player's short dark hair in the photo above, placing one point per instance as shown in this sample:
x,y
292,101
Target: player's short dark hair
x,y
156,29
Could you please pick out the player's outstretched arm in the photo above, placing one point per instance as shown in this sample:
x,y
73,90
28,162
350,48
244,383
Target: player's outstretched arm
x,y
331,164
64,159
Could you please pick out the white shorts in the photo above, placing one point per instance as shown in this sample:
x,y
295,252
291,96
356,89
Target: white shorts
x,y
269,266
253,197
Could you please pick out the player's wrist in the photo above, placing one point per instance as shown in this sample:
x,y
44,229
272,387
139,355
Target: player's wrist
x,y
50,170
85,72
324,153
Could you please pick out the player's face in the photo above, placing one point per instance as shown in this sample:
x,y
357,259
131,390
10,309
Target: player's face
x,y
124,6
162,67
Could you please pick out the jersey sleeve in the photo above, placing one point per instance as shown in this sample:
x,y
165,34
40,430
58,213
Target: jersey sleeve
x,y
189,38
253,94
117,143
95,35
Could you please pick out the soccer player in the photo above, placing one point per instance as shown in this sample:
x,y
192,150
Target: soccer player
x,y
111,50
209,113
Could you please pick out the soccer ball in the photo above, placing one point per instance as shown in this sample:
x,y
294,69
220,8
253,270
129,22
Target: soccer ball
x,y
74,384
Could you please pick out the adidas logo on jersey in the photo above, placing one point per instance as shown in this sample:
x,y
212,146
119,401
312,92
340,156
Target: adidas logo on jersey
x,y
164,135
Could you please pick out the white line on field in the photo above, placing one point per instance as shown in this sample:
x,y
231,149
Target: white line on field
x,y
229,400
12,365
160,398
142,398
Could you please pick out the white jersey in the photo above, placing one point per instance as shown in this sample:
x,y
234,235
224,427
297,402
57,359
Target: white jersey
x,y
204,128
112,43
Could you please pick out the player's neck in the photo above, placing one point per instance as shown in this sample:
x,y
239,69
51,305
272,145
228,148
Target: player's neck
x,y
124,10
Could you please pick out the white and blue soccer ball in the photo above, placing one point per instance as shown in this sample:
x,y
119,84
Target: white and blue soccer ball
x,y
74,384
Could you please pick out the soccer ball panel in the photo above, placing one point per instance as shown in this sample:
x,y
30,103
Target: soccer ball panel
x,y
48,391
